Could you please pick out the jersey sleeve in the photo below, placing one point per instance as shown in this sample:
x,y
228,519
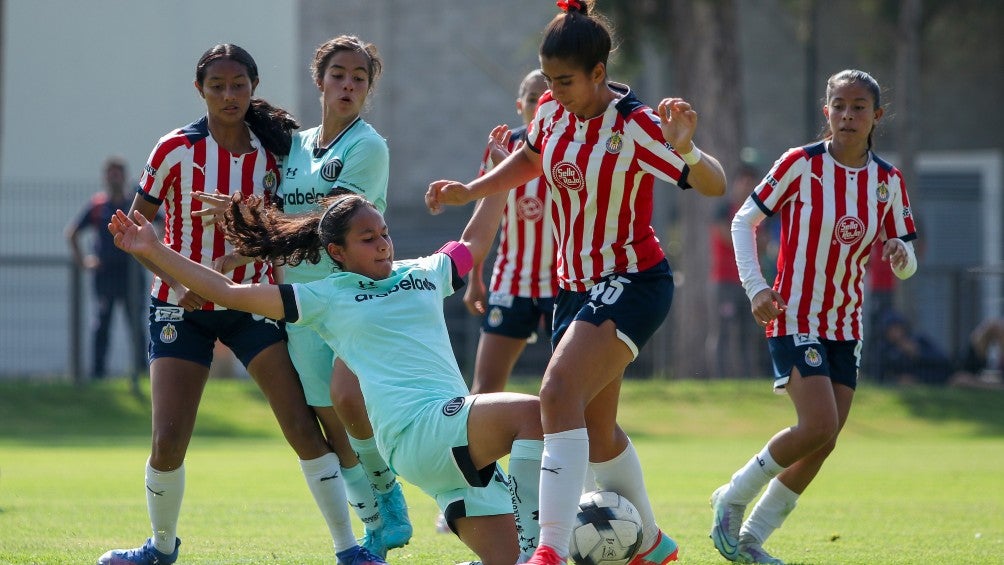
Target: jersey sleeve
x,y
546,108
366,170
781,183
899,221
303,303
154,185
654,154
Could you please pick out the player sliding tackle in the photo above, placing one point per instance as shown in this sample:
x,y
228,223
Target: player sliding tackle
x,y
385,319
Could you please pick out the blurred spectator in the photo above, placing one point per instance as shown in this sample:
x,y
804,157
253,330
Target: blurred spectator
x,y
117,279
908,356
735,344
981,362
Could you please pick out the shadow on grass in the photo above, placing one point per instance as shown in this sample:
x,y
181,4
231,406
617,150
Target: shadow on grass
x,y
984,408
109,411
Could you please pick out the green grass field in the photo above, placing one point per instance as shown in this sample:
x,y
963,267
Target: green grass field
x,y
917,478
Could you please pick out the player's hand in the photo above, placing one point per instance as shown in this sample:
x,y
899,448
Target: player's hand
x,y
679,122
474,297
446,193
498,143
135,236
189,300
216,204
766,306
90,262
894,251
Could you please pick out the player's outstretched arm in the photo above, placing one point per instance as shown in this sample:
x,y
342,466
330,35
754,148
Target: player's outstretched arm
x,y
138,238
517,169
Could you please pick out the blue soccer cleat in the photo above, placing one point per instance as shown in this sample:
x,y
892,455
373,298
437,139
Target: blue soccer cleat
x,y
145,555
397,530
359,555
751,551
728,519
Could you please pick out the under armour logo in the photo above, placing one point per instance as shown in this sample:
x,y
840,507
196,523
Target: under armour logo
x,y
290,172
367,285
333,476
555,470
155,493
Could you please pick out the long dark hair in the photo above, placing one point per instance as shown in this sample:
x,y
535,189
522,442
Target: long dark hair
x,y
272,125
578,35
289,239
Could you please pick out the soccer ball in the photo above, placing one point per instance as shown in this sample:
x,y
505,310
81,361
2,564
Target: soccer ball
x,y
607,530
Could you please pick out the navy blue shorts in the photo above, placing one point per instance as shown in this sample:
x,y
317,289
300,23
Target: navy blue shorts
x,y
191,336
517,316
812,356
636,302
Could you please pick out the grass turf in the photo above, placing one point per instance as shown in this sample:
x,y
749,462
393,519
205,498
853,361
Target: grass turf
x,y
917,476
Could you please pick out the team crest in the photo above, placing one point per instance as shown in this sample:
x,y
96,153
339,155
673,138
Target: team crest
x,y
168,333
495,317
453,406
813,358
530,208
331,170
568,176
269,182
614,143
849,230
882,192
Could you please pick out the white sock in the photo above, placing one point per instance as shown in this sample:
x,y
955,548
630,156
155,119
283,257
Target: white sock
x,y
750,479
361,499
562,472
524,480
324,478
770,511
589,484
623,475
164,491
377,469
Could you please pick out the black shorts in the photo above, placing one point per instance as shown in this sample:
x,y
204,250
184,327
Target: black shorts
x,y
517,316
812,356
192,336
636,302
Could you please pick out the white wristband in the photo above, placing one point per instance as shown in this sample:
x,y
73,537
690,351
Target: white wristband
x,y
693,157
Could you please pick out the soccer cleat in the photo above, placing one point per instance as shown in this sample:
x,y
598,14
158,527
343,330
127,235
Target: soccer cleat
x,y
359,555
442,526
396,531
145,555
750,551
373,542
544,555
664,551
728,518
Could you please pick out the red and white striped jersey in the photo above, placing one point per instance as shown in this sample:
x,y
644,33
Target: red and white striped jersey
x,y
601,172
187,160
524,261
830,217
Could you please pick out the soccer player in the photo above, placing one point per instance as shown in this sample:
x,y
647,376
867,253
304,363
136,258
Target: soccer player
x,y
231,150
835,199
385,319
600,150
523,282
343,153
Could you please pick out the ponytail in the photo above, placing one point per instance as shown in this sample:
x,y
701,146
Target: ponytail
x,y
273,126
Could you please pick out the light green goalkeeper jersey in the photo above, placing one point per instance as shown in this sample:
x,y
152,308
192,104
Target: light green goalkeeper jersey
x,y
391,333
357,160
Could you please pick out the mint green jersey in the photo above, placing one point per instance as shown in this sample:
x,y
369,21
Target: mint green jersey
x,y
391,333
357,160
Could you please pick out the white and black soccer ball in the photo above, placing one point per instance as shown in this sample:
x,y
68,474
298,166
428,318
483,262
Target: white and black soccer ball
x,y
607,530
